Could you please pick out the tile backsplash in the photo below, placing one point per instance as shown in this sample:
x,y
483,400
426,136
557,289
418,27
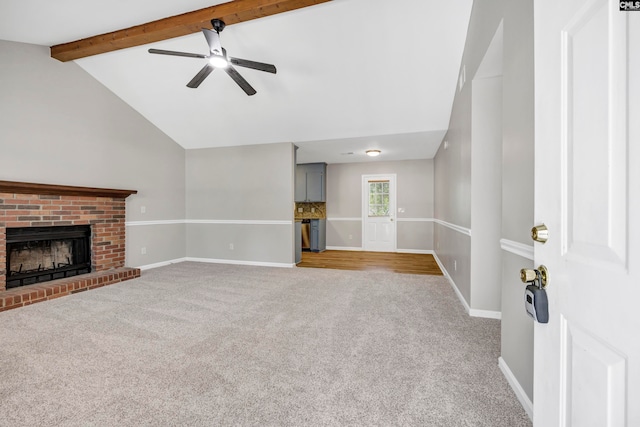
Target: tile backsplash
x,y
319,210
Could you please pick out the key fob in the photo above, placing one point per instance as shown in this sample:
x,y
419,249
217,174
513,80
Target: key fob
x,y
536,303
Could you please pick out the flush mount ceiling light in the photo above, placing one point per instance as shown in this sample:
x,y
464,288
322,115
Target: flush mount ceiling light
x,y
373,153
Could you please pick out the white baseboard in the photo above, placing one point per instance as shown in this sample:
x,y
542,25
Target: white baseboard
x,y
240,262
452,283
215,261
517,388
161,264
400,251
486,314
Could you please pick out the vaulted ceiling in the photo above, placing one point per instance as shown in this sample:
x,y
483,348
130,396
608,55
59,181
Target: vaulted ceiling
x,y
352,74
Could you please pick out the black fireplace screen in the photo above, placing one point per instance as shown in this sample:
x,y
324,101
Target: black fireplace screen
x,y
40,254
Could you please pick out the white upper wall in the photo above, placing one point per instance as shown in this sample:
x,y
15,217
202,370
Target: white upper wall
x,y
58,125
346,69
414,186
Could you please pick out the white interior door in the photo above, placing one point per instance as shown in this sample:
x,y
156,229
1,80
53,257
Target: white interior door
x,y
587,136
378,213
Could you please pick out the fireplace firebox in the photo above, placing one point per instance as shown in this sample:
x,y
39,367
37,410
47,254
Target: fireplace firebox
x,y
40,254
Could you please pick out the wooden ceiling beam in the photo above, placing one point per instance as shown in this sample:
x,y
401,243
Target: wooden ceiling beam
x,y
231,13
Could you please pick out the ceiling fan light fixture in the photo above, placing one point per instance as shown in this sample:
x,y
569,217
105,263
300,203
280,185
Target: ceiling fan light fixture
x,y
373,153
217,58
218,61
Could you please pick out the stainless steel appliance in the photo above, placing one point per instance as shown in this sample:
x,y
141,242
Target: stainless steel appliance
x,y
306,234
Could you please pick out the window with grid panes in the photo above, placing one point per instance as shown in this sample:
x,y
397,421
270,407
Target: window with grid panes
x,y
378,198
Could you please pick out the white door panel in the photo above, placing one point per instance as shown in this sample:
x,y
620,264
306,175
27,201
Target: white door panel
x,y
379,233
596,377
379,228
587,358
384,233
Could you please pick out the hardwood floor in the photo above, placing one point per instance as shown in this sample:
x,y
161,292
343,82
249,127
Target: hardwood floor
x,y
360,260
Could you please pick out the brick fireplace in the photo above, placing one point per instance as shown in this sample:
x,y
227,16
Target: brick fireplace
x,y
42,205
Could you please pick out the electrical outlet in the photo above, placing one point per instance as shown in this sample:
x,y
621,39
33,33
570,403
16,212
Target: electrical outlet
x,y
350,236
143,209
455,265
300,210
437,244
313,210
143,251
230,246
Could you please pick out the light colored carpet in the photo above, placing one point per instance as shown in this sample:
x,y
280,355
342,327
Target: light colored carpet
x,y
202,345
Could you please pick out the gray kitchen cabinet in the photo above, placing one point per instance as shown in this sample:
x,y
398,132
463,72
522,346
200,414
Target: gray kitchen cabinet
x,y
301,184
318,231
311,182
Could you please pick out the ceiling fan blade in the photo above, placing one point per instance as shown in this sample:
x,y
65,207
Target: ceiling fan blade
x,y
213,39
174,53
199,78
233,73
253,64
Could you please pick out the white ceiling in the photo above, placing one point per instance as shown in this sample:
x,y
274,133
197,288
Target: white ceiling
x,y
352,74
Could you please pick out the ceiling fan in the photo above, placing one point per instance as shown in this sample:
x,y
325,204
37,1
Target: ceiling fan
x,y
218,59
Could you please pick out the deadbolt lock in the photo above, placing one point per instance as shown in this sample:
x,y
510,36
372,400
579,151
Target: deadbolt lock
x,y
540,233
539,276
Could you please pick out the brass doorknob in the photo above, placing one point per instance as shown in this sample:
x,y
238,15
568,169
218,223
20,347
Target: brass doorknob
x,y
527,275
540,233
540,275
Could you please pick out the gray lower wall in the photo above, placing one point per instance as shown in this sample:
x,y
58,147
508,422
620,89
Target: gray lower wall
x,y
253,244
414,185
344,233
161,242
453,249
517,327
241,196
415,235
58,125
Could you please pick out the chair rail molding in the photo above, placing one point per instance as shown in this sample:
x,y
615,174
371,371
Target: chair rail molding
x,y
517,248
208,221
459,229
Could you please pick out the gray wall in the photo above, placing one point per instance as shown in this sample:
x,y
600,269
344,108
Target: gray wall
x,y
241,196
58,125
414,182
486,192
517,185
455,177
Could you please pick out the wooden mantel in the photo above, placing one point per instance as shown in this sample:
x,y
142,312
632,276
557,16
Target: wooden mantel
x,y
62,190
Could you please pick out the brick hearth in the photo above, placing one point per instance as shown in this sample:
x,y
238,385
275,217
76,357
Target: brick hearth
x,y
38,205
